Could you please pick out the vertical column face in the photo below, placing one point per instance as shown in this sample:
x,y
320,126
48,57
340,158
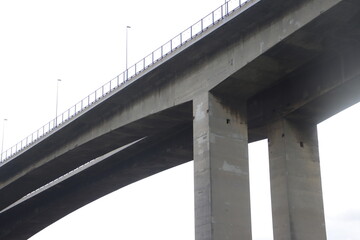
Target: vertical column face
x,y
297,203
222,196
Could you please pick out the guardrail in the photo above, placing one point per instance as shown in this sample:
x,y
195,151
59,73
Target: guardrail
x,y
181,39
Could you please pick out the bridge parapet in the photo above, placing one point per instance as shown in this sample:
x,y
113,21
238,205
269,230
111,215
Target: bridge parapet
x,y
117,83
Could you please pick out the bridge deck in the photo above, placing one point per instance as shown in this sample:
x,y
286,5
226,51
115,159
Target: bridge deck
x,y
295,59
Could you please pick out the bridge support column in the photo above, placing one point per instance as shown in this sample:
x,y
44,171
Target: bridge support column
x,y
297,202
222,196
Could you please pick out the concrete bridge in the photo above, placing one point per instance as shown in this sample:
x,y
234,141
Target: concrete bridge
x,y
267,69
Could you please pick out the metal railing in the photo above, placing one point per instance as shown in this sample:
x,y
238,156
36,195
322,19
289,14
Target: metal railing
x,y
181,39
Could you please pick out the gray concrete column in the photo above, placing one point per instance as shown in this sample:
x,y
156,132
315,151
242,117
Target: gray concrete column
x,y
222,196
296,194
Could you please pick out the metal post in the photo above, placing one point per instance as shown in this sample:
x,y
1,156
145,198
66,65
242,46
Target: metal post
x,y
126,61
57,100
3,134
226,7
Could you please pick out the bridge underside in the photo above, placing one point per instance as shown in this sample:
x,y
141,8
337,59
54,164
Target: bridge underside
x,y
136,161
281,95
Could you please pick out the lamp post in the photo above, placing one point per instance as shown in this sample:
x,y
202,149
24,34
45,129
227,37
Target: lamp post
x,y
126,60
57,100
2,140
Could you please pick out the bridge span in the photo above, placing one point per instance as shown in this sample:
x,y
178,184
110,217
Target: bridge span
x,y
265,69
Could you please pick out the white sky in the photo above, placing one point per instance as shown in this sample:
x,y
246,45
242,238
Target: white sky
x,y
83,43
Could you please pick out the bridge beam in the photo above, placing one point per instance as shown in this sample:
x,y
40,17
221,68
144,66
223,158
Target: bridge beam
x,y
222,195
296,194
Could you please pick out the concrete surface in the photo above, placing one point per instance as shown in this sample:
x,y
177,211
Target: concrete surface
x,y
221,168
278,59
296,194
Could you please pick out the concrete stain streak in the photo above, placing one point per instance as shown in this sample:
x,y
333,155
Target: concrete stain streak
x,y
233,169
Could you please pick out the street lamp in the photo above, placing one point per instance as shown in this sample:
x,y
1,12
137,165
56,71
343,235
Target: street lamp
x,y
57,100
126,61
2,140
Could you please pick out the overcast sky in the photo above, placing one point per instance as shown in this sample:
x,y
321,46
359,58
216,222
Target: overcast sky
x,y
83,44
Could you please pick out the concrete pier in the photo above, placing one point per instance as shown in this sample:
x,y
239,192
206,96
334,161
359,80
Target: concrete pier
x,y
296,194
222,196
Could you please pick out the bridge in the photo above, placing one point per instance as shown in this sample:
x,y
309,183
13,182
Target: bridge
x,y
265,69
